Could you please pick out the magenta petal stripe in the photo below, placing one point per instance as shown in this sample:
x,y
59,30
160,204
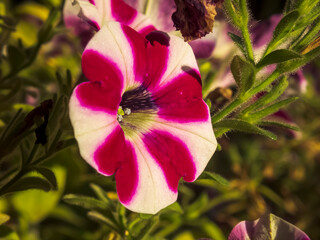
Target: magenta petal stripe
x,y
97,98
98,68
181,99
197,137
157,52
122,12
175,55
119,45
152,192
172,156
110,155
137,43
127,176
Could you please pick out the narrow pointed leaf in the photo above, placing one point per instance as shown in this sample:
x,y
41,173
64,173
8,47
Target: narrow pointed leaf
x,y
243,73
294,64
278,124
254,117
144,233
85,202
238,41
215,177
284,27
101,194
269,97
97,216
278,56
243,126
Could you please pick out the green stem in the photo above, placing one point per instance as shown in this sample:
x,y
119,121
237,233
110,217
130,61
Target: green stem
x,y
15,117
225,111
240,100
32,154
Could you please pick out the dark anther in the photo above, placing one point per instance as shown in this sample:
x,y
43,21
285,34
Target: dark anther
x,y
137,99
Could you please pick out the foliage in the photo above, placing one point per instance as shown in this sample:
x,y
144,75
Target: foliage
x,y
40,65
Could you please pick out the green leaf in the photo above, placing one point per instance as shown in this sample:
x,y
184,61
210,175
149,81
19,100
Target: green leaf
x,y
97,216
243,126
48,174
85,202
278,56
215,177
254,117
269,97
196,208
295,64
46,31
16,57
144,232
174,207
213,230
100,193
27,183
283,28
278,124
243,73
238,41
4,218
35,206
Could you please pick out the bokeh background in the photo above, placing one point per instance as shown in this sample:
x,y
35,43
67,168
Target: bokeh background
x,y
281,177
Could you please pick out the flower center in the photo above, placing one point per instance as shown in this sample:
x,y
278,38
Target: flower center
x,y
136,111
122,112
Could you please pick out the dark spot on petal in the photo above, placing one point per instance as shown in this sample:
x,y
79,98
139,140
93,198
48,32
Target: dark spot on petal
x,y
192,73
160,37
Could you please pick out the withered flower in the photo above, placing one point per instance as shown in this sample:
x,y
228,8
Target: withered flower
x,y
195,18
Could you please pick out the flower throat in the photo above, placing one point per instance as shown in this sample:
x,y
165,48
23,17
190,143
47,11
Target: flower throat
x,y
136,111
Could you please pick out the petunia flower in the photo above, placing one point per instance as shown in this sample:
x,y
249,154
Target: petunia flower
x,y
141,116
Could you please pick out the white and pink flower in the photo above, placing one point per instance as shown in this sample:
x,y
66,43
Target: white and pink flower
x,y
141,116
